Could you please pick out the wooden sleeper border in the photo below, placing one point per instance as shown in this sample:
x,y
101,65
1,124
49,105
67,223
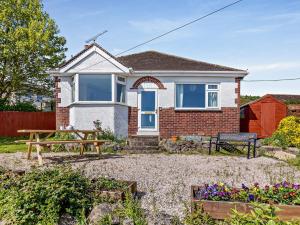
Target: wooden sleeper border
x,y
222,209
117,195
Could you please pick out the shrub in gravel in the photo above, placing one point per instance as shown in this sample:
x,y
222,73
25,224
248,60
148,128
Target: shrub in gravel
x,y
42,196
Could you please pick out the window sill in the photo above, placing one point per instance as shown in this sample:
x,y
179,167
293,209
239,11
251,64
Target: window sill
x,y
97,103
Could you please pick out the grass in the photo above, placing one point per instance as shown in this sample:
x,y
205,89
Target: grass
x,y
8,145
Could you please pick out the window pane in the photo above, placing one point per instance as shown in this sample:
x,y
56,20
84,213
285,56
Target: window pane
x,y
148,121
212,86
190,95
95,88
212,99
120,93
148,101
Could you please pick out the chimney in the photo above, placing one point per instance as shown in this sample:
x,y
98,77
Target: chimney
x,y
86,46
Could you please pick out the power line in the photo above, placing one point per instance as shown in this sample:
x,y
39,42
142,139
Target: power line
x,y
168,32
275,80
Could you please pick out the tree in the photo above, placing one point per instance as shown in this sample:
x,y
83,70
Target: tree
x,y
29,46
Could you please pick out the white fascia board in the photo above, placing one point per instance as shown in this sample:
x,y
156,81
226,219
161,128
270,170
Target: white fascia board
x,y
87,53
192,73
90,72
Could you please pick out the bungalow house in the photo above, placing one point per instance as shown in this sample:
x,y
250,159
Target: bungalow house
x,y
147,93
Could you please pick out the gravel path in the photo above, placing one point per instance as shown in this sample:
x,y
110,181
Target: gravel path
x,y
164,180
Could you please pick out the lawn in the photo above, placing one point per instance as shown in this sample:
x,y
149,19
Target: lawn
x,y
8,145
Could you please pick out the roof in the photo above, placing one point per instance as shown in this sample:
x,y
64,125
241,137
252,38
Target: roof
x,y
280,97
157,61
153,60
86,48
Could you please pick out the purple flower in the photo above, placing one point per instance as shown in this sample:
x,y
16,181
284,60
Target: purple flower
x,y
245,187
251,197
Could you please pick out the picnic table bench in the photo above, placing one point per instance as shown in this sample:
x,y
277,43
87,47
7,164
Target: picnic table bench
x,y
230,140
36,139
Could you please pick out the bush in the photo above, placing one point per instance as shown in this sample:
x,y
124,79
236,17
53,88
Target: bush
x,y
287,133
42,196
19,106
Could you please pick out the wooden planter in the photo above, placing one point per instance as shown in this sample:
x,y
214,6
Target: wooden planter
x,y
116,195
222,209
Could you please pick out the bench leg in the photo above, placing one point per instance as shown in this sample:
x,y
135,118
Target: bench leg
x,y
29,149
39,154
38,150
98,149
209,149
81,149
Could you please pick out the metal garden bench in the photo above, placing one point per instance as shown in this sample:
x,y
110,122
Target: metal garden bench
x,y
228,141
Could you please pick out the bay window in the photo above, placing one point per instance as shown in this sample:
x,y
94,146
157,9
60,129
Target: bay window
x,y
197,96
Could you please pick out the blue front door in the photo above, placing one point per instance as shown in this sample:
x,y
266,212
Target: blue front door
x,y
148,110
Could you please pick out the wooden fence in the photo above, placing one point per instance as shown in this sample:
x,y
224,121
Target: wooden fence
x,y
11,121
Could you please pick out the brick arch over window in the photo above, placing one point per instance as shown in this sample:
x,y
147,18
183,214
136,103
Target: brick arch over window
x,y
154,80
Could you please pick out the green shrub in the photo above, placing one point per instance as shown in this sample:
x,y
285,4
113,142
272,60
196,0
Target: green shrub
x,y
19,106
197,217
287,133
42,196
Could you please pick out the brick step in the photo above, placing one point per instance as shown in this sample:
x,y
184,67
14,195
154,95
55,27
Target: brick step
x,y
143,141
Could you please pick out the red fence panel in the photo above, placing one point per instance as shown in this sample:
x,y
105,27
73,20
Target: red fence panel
x,y
11,121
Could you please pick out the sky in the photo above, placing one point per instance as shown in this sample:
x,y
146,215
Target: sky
x,y
262,36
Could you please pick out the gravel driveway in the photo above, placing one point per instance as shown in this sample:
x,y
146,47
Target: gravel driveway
x,y
164,180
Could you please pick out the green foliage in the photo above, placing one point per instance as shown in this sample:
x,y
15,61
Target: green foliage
x,y
29,46
103,183
41,196
260,214
131,209
19,106
287,133
106,133
106,220
197,217
248,98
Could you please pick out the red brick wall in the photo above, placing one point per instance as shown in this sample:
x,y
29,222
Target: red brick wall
x,y
182,122
207,123
62,113
132,120
172,122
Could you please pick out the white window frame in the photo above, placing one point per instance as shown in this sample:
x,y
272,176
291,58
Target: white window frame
x,y
120,82
212,90
95,102
206,96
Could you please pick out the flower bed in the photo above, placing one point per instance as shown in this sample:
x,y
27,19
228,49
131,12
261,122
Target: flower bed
x,y
113,190
218,199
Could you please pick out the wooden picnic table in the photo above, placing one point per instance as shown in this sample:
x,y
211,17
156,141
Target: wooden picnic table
x,y
36,138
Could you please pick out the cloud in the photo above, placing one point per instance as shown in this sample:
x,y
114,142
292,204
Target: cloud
x,y
274,66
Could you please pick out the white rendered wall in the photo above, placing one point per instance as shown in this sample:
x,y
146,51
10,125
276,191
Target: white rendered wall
x,y
66,91
95,63
114,117
166,97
